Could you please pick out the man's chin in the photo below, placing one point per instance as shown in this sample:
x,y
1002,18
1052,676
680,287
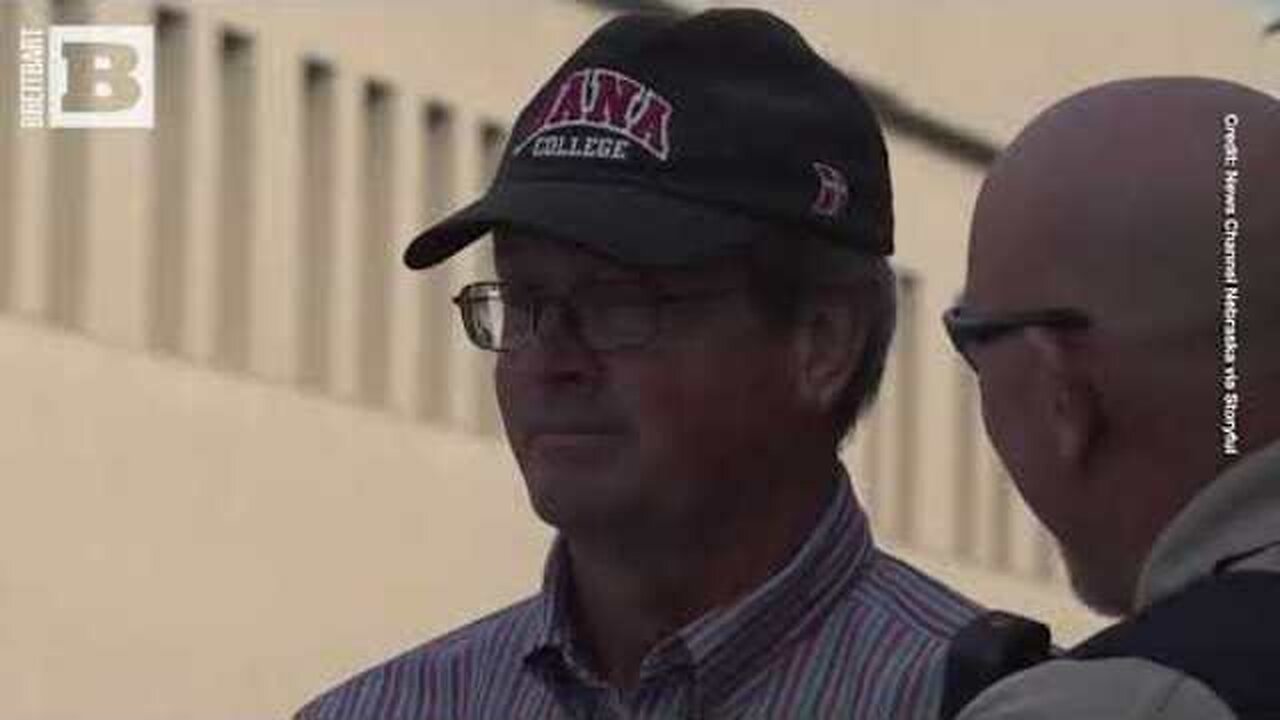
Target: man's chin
x,y
584,506
572,518
564,497
1093,592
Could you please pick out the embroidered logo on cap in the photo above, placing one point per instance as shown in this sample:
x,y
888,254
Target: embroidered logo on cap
x,y
600,99
833,191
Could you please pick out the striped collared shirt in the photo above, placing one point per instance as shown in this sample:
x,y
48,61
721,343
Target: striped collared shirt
x,y
843,630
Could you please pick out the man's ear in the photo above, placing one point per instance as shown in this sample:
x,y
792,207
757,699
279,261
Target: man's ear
x,y
829,342
1070,398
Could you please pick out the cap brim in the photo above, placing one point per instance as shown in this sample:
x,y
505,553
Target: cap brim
x,y
633,225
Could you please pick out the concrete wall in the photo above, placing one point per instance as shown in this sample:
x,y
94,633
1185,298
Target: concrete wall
x,y
247,455
182,543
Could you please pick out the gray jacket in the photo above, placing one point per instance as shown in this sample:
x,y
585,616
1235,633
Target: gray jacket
x,y
1238,514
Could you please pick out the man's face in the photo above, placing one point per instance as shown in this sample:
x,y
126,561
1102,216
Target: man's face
x,y
1007,383
1015,411
648,437
1021,410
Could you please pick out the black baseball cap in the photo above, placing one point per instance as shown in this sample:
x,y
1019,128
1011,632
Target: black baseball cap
x,y
669,139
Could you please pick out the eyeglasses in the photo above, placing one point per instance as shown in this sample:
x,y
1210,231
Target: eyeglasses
x,y
607,315
968,329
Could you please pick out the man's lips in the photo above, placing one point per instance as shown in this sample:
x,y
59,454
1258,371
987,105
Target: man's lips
x,y
534,428
571,433
573,447
568,435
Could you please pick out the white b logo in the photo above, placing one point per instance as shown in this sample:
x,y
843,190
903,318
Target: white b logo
x,y
101,76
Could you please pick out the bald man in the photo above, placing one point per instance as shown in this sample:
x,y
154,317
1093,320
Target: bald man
x,y
1122,313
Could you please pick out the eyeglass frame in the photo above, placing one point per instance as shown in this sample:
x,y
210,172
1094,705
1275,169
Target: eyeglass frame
x,y
656,301
967,329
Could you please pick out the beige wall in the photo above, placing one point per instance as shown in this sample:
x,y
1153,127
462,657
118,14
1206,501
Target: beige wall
x,y
991,65
190,535
196,531
182,543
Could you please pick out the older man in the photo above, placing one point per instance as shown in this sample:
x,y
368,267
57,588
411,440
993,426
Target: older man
x,y
692,305
1122,312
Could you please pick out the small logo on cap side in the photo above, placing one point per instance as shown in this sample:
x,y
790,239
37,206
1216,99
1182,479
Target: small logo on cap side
x,y
833,191
601,99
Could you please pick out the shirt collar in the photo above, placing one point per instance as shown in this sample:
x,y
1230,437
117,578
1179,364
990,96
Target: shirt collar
x,y
552,638
1238,513
727,644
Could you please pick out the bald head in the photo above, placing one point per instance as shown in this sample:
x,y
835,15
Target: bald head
x,y
1115,202
1112,201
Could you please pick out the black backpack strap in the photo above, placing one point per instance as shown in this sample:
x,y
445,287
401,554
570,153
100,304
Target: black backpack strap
x,y
1223,631
991,646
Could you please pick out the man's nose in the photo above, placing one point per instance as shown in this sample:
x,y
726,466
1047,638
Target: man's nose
x,y
556,322
557,346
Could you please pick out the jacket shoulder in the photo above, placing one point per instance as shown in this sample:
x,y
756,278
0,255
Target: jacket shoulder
x,y
1110,688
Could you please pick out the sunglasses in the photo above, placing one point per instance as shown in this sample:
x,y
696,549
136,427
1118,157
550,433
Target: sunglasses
x,y
969,329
